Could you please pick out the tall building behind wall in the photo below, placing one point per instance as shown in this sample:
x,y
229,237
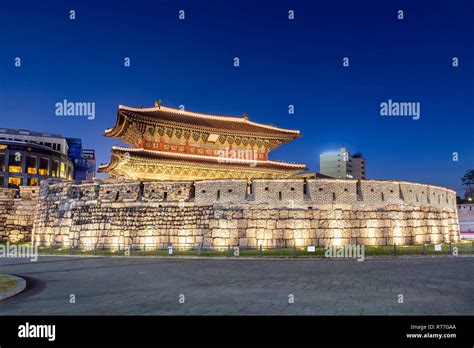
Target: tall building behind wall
x,y
27,157
83,159
342,165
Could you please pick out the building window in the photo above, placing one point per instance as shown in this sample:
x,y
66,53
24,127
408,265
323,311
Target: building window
x,y
43,166
55,169
32,182
2,163
63,170
14,182
31,164
14,164
69,172
2,181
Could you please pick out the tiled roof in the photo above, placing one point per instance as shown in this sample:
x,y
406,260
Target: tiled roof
x,y
171,156
239,124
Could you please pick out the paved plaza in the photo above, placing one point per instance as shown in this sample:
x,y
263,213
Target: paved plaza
x,y
158,286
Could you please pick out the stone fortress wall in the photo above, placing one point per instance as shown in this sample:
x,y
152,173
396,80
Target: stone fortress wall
x,y
222,212
17,208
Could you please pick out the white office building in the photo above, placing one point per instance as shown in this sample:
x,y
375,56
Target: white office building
x,y
342,165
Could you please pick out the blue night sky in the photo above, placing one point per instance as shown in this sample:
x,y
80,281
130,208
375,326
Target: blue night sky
x,y
282,62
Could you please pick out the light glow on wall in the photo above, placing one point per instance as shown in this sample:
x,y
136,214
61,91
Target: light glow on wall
x,y
398,233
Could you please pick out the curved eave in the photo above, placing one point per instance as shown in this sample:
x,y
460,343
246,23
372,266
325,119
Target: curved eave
x,y
118,151
264,129
105,168
119,128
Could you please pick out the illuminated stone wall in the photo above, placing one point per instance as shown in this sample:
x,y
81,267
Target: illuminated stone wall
x,y
232,212
17,209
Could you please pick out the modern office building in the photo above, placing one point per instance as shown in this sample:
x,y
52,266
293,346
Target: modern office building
x,y
358,166
83,160
342,165
27,157
88,155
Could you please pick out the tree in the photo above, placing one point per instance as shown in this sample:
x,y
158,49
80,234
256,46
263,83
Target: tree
x,y
468,178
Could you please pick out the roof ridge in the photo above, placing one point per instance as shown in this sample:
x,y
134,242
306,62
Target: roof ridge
x,y
237,119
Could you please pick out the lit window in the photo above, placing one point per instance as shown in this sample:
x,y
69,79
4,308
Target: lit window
x,y
2,163
31,165
43,166
55,169
14,163
14,182
14,169
63,171
32,182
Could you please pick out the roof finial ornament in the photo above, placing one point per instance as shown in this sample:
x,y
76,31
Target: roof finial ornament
x,y
246,116
158,103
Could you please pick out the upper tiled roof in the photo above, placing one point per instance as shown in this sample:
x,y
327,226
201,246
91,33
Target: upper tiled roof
x,y
230,123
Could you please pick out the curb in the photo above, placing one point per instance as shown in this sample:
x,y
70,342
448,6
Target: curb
x,y
264,258
20,286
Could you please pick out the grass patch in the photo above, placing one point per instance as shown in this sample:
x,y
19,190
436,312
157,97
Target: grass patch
x,y
463,247
7,282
